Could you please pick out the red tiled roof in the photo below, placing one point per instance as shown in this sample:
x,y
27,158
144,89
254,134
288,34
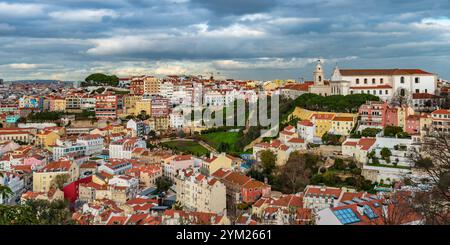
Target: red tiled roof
x,y
117,220
323,191
286,133
183,158
366,143
296,140
351,143
441,111
63,165
298,86
343,119
382,72
306,123
424,96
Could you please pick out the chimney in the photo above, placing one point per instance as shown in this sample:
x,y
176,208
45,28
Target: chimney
x,y
360,209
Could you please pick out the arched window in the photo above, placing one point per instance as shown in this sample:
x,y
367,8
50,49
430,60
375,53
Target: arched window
x,y
373,80
402,80
357,80
320,78
365,80
381,80
402,92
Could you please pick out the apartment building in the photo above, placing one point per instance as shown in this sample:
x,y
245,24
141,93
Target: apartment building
x,y
42,179
106,106
196,192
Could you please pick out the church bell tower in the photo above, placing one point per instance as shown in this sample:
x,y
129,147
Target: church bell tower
x,y
318,74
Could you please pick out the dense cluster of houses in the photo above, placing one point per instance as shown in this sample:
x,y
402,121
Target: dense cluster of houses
x,y
103,166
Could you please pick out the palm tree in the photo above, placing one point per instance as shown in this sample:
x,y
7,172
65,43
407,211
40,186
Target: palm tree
x,y
5,191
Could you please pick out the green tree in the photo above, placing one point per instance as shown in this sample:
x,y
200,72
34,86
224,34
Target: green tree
x,y
370,132
163,184
339,164
36,212
59,181
5,191
386,154
223,147
100,79
392,131
295,174
268,161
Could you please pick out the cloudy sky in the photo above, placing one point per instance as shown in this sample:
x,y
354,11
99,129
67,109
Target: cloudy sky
x,y
241,39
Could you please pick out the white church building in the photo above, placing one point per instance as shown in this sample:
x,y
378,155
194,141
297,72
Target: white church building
x,y
384,83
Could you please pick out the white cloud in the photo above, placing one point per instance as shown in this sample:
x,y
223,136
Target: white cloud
x,y
20,9
293,21
120,45
84,15
255,17
23,66
271,63
235,30
440,24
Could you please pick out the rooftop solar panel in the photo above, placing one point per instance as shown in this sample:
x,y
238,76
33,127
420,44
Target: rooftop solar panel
x,y
369,212
346,216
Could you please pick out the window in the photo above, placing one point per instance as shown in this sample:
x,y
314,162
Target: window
x,y
373,80
417,91
417,80
380,92
351,92
402,80
386,92
381,80
357,80
368,91
320,78
402,92
365,80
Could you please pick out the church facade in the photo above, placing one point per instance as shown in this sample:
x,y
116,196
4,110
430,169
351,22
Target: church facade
x,y
384,83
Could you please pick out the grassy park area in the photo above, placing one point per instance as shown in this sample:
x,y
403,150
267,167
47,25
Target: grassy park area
x,y
189,147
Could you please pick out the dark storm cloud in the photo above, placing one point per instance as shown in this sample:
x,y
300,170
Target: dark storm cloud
x,y
260,39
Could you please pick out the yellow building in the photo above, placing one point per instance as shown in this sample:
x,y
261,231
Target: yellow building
x,y
46,138
342,125
130,103
44,178
151,85
108,130
323,123
159,123
60,104
219,161
143,105
425,124
52,195
324,120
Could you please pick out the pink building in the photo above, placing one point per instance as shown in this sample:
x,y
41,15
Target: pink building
x,y
373,113
36,162
391,116
412,125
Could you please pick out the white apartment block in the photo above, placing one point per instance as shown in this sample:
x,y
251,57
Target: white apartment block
x,y
93,143
122,149
197,192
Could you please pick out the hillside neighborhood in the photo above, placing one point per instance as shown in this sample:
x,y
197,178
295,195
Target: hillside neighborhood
x,y
357,147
